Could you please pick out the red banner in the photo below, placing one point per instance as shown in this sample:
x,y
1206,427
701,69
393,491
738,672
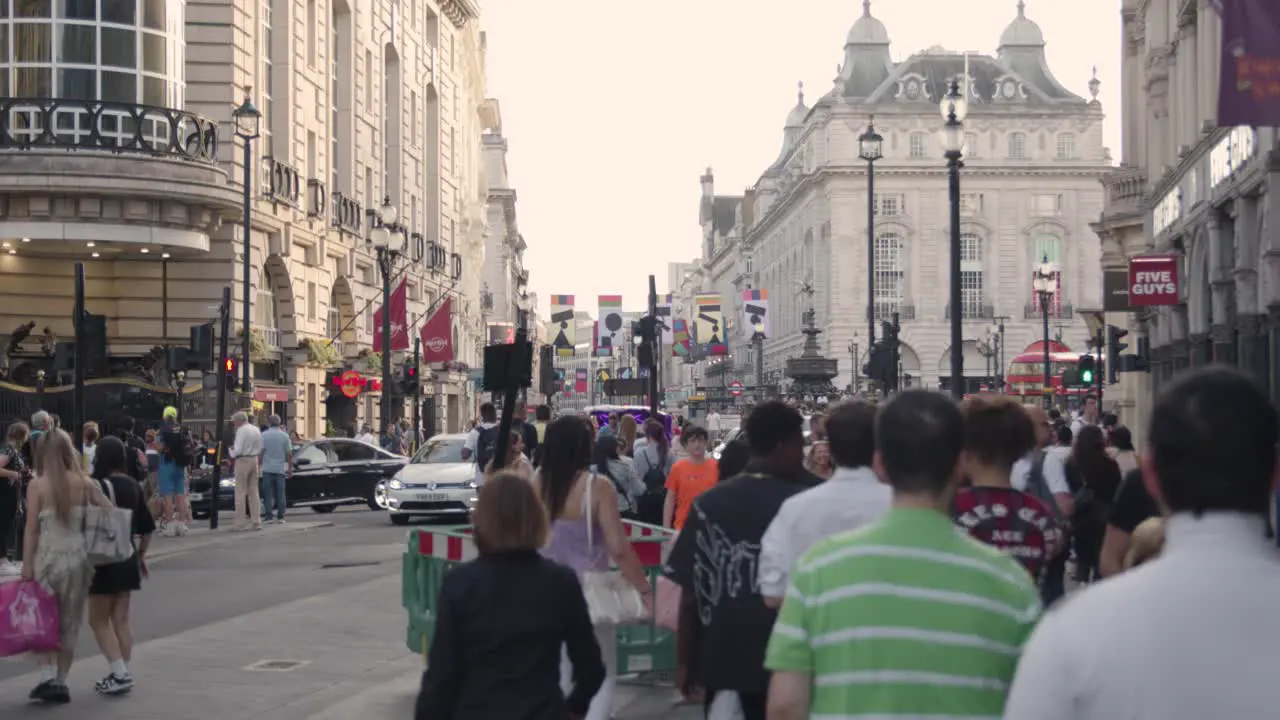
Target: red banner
x,y
1249,74
437,334
580,381
1153,280
399,321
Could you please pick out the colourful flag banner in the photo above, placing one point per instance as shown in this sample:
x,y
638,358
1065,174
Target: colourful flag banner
x,y
755,313
664,319
709,324
611,330
564,329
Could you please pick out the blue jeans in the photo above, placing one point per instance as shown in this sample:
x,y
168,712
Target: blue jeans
x,y
273,495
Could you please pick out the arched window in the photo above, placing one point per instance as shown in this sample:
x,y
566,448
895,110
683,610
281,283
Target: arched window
x,y
1017,146
1066,146
267,316
333,321
1045,245
889,274
971,294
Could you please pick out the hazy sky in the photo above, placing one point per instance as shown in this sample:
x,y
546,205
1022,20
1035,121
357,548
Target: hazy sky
x,y
614,109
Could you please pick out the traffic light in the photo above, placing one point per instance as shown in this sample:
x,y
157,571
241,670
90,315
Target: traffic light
x,y
1071,377
409,378
230,370
879,366
1087,368
1114,348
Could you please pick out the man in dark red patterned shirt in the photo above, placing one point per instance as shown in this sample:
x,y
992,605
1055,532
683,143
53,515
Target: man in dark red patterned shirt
x,y
998,431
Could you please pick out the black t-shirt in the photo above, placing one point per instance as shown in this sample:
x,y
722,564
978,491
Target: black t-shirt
x,y
716,558
128,495
1133,504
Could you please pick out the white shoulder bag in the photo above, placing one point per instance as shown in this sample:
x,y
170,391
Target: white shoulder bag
x,y
611,600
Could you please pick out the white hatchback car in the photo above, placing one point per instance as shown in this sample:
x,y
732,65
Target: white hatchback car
x,y
437,482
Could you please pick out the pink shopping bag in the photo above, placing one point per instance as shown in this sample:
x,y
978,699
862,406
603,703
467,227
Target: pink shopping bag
x,y
28,619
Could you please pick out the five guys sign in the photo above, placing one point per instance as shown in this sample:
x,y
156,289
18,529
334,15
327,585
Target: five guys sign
x,y
1153,280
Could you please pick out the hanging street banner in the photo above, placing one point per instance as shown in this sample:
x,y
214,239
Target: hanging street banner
x,y
1249,83
564,330
709,324
610,330
664,319
681,339
399,303
755,313
580,380
437,334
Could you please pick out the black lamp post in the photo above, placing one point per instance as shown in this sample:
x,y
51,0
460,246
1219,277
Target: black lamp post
x,y
248,128
871,149
954,109
380,241
1045,282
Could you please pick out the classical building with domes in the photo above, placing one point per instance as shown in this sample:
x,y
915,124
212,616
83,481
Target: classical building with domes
x,y
1029,188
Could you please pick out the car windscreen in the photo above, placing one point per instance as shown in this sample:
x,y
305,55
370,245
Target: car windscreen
x,y
440,450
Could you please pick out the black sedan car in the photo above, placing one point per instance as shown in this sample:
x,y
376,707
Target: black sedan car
x,y
326,473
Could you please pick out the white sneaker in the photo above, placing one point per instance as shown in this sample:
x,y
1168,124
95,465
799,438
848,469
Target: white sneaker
x,y
10,569
182,529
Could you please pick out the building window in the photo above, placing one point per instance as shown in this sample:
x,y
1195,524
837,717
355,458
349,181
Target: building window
x,y
311,301
267,312
1045,245
1066,146
312,30
888,273
313,160
333,323
971,297
267,81
1017,146
890,205
917,145
368,81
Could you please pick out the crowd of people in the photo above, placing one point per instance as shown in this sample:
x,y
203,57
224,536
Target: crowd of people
x,y
902,571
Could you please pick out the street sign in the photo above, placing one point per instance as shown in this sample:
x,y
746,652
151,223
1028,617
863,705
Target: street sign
x,y
735,388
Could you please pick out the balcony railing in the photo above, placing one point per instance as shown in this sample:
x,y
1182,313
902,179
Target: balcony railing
x,y
984,311
1124,189
40,123
885,311
1032,311
270,337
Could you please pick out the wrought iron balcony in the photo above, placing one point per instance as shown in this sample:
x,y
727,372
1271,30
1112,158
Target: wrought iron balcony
x,y
984,311
1033,311
80,125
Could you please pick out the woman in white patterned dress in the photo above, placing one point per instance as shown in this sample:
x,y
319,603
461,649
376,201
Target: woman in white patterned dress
x,y
56,502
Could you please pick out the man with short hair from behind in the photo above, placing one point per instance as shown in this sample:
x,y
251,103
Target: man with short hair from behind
x,y
482,440
1193,634
246,452
277,465
907,617
854,497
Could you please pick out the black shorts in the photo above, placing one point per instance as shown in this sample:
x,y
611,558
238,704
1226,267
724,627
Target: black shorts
x,y
117,578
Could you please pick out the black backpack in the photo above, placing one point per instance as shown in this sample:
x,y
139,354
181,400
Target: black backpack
x,y
486,446
177,445
1038,487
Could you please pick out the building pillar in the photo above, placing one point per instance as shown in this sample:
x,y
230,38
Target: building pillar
x,y
1202,349
1273,337
1252,350
1224,344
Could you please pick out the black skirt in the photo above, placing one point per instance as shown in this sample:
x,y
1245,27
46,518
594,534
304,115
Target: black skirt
x,y
117,578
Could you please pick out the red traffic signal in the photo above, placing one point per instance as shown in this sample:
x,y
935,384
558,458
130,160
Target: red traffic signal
x,y
229,365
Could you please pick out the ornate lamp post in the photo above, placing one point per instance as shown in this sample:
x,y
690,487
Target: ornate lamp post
x,y
380,241
954,109
871,149
1045,282
248,128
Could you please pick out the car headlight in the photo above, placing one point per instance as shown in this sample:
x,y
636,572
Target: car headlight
x,y
395,484
227,482
473,485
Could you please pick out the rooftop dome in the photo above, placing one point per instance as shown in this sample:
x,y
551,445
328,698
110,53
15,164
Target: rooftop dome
x,y
1022,31
798,113
868,30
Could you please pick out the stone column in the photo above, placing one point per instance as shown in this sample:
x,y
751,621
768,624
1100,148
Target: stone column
x,y
1252,351
1202,349
1221,235
1273,341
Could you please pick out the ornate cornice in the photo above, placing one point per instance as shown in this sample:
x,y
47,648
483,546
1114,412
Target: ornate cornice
x,y
459,12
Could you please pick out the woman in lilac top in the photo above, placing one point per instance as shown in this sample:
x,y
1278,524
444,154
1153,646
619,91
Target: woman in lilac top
x,y
565,485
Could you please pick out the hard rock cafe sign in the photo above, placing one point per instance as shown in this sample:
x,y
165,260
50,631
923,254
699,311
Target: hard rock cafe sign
x,y
352,383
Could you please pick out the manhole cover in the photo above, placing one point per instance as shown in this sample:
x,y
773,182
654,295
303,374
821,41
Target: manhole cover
x,y
276,665
332,566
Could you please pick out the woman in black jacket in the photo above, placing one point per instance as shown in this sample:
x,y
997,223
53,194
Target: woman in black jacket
x,y
503,618
1094,478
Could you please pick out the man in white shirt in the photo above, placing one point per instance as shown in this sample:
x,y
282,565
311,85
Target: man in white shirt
x,y
852,498
1193,633
366,435
1088,416
472,449
246,453
1051,461
714,428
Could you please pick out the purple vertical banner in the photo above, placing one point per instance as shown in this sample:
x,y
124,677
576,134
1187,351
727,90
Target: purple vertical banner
x,y
1249,86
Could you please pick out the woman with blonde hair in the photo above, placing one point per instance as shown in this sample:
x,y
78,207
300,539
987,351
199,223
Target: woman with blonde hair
x,y
54,539
1146,543
90,434
627,435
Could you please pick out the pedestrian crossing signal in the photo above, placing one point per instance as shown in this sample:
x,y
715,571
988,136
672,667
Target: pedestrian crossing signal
x,y
229,372
1086,377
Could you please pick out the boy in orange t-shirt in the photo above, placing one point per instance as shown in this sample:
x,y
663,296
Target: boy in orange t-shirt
x,y
689,478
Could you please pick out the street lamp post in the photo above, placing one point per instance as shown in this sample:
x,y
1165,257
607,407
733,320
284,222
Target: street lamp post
x,y
248,128
380,240
954,109
1045,282
1000,372
871,149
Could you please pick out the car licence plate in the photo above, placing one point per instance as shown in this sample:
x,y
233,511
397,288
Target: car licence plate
x,y
432,497
196,497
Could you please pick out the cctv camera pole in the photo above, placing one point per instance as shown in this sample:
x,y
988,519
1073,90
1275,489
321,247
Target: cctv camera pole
x,y
81,354
220,418
417,391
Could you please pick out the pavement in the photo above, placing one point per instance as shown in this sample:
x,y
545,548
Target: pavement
x,y
296,622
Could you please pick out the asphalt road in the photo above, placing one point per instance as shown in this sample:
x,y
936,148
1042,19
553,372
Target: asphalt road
x,y
252,572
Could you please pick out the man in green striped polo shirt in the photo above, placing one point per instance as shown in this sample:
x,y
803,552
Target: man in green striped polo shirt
x,y
906,618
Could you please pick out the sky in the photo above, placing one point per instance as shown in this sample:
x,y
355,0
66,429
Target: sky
x,y
613,110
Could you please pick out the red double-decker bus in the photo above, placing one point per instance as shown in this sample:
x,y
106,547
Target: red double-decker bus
x,y
1025,376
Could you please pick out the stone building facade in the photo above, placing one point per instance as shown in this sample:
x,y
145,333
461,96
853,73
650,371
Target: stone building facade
x,y
1189,188
360,105
1029,188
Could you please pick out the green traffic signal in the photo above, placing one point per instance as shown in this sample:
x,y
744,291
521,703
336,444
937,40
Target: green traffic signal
x,y
1086,377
